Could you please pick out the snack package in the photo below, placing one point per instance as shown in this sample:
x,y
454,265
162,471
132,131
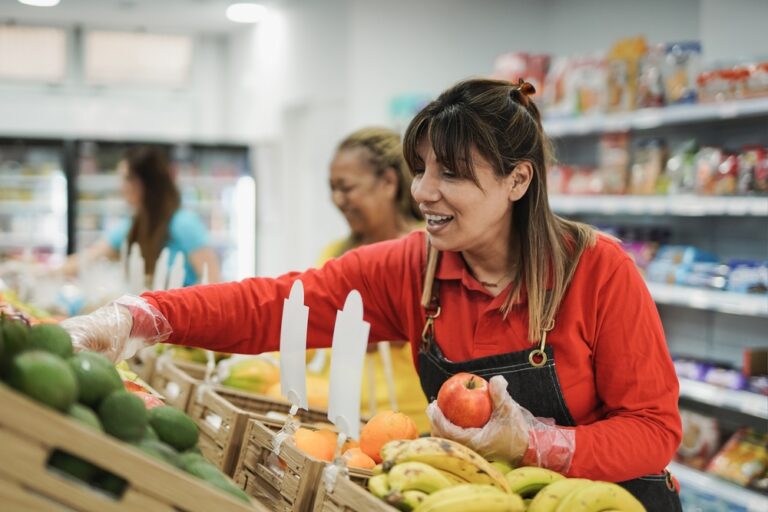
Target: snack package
x,y
743,459
586,77
708,160
753,170
513,66
622,69
649,162
680,172
703,275
613,162
748,276
701,439
681,68
650,82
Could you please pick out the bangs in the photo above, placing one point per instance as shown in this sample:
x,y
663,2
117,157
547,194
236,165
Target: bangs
x,y
453,133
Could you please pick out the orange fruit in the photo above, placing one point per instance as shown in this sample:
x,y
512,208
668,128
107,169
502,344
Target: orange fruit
x,y
314,444
385,426
357,459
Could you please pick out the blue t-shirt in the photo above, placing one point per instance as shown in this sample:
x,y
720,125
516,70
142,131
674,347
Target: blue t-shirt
x,y
186,234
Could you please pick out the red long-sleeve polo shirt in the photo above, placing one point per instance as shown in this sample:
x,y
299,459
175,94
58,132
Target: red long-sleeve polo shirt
x,y
611,357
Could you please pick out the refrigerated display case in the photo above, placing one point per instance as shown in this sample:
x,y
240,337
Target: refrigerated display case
x,y
215,181
33,200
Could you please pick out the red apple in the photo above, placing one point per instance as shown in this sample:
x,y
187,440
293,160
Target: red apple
x,y
465,401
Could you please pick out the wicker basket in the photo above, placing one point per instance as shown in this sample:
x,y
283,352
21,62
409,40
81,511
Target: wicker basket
x,y
30,433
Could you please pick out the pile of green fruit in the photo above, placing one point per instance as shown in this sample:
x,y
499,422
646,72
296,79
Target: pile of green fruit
x,y
39,362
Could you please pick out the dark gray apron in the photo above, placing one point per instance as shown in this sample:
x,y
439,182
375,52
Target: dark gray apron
x,y
533,383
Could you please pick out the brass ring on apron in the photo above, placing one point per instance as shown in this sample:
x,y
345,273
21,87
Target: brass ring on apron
x,y
537,358
428,325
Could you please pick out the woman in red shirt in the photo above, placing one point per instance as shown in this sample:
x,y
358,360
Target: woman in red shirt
x,y
556,313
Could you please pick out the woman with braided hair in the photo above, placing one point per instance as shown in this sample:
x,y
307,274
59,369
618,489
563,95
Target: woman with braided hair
x,y
554,313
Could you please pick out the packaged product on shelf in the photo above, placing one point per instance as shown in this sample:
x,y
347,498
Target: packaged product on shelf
x,y
557,98
726,377
587,78
673,261
650,83
717,172
647,170
641,252
584,180
513,66
701,439
691,368
743,459
755,361
681,68
703,275
622,67
680,171
748,276
753,170
613,162
558,176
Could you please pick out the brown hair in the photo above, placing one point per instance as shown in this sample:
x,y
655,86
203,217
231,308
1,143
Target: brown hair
x,y
384,151
499,121
160,200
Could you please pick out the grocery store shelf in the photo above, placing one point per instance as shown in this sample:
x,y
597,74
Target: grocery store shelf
x,y
206,181
730,492
712,300
745,402
102,206
24,240
648,118
684,206
98,182
25,207
30,180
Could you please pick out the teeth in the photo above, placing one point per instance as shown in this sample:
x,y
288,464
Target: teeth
x,y
437,218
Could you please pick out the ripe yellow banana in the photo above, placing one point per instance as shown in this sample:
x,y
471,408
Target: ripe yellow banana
x,y
527,481
379,485
600,496
377,469
390,450
548,499
411,475
452,457
503,466
472,498
406,500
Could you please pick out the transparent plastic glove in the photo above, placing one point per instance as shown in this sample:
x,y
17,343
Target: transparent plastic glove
x,y
512,433
119,329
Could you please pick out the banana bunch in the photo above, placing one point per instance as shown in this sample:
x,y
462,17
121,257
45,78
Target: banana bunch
x,y
431,474
582,495
413,471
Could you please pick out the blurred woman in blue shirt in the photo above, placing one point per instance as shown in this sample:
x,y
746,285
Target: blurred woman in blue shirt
x,y
158,220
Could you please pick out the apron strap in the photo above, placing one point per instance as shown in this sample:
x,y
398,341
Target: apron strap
x,y
430,297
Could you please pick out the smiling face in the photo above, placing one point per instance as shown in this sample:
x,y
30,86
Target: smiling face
x,y
474,218
364,198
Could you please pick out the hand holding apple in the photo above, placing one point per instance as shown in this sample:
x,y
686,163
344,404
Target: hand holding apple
x,y
465,401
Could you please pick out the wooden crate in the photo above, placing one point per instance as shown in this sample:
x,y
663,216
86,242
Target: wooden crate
x,y
30,433
222,415
349,495
177,381
143,363
291,488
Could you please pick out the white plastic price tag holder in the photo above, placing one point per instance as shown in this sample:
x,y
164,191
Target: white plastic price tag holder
x,y
293,353
160,279
135,270
350,339
176,275
293,348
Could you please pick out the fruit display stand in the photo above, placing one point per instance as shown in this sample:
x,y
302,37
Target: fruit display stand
x,y
176,381
293,487
31,433
222,415
349,495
